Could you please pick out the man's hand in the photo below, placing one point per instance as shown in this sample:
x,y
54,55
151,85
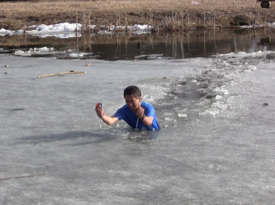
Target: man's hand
x,y
99,112
139,112
107,119
147,120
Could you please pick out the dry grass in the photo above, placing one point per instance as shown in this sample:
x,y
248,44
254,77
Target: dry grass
x,y
166,14
55,7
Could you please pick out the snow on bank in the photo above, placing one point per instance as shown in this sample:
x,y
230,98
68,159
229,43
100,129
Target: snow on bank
x,y
272,25
68,30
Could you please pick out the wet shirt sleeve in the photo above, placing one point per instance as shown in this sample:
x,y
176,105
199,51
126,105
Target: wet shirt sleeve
x,y
120,113
148,110
124,113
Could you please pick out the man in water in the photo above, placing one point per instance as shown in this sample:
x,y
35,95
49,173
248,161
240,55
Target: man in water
x,y
136,113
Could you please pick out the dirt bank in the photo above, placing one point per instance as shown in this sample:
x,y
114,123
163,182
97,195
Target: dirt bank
x,y
170,15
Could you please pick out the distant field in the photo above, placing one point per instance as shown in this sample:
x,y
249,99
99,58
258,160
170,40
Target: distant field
x,y
203,13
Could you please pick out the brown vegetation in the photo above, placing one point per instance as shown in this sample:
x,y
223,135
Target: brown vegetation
x,y
166,15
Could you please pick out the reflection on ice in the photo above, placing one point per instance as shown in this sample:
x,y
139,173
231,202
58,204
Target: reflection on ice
x,y
115,47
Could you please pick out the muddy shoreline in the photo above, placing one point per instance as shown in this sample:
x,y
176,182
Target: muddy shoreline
x,y
15,16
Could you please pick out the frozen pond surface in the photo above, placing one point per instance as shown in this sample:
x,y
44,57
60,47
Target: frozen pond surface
x,y
216,145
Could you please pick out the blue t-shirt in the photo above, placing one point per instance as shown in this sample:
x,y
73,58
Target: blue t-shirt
x,y
126,114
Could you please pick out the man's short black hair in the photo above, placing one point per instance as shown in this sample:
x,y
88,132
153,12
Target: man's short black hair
x,y
132,90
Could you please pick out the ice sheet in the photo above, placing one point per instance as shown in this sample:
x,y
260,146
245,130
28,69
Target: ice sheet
x,y
216,145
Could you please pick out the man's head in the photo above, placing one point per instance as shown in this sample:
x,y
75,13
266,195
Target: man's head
x,y
132,90
132,97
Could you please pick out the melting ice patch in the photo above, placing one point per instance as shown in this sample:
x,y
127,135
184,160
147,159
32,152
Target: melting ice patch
x,y
50,52
206,93
43,51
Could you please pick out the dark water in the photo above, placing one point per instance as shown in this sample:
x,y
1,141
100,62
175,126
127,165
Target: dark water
x,y
149,46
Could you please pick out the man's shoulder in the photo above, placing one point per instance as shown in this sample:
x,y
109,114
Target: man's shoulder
x,y
122,111
146,105
125,109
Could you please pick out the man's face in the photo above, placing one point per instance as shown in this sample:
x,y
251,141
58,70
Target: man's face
x,y
133,102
